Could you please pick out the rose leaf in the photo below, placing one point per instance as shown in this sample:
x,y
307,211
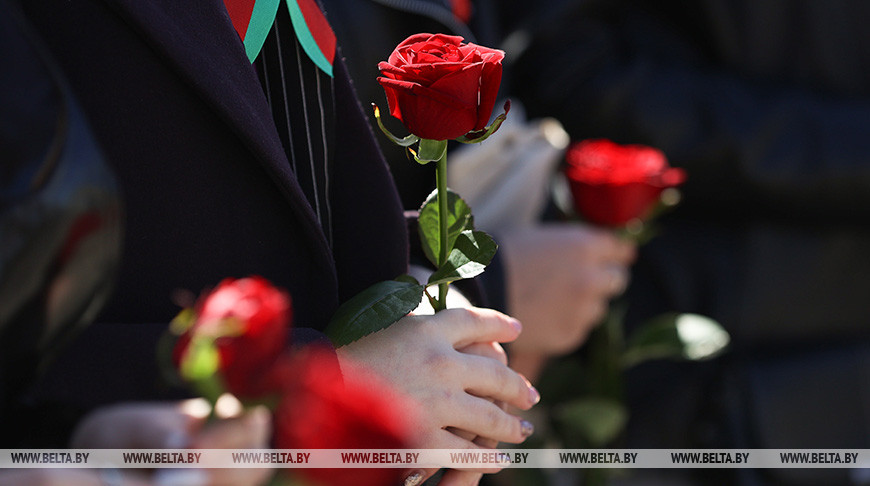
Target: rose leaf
x,y
373,309
459,219
469,257
675,336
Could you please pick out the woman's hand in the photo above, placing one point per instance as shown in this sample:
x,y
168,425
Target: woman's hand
x,y
458,392
560,279
178,426
64,477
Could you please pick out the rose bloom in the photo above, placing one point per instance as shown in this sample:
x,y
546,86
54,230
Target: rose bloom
x,y
439,87
325,407
253,318
613,184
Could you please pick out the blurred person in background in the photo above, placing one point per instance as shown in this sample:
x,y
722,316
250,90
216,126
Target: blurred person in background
x,y
766,104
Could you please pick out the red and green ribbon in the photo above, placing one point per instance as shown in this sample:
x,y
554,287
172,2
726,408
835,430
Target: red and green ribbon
x,y
253,20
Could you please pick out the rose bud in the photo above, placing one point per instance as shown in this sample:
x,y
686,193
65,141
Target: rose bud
x,y
351,408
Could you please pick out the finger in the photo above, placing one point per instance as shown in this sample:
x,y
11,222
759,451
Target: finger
x,y
490,350
139,425
618,279
603,245
617,250
460,444
469,436
455,477
486,419
167,477
588,316
602,281
477,439
249,431
466,326
415,477
66,477
236,477
228,406
486,442
490,379
447,440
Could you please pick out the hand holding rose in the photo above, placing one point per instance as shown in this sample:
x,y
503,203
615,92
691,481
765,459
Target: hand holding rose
x,y
448,364
420,356
560,279
177,426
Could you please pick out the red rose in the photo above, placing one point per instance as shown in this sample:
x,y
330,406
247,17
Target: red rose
x,y
323,410
439,87
249,319
613,184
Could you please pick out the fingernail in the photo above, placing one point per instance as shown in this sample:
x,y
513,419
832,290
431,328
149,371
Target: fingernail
x,y
534,394
526,428
180,477
414,479
517,325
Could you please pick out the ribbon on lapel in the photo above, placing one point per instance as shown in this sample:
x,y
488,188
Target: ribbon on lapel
x,y
254,18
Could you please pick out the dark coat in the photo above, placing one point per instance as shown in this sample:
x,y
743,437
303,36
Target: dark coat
x,y
209,191
767,107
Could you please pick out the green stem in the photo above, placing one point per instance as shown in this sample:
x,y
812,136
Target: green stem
x,y
210,388
607,344
441,182
595,477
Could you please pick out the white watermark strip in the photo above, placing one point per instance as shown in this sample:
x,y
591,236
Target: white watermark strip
x,y
425,458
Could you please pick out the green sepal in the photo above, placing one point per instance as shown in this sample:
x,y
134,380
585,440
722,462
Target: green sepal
x,y
403,142
182,322
471,253
210,388
413,155
459,219
675,336
430,150
373,309
201,360
432,300
484,133
200,365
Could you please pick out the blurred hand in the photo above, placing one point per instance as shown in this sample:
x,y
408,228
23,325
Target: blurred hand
x,y
178,426
560,279
62,477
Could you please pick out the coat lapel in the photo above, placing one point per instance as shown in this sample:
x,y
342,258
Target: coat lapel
x,y
200,42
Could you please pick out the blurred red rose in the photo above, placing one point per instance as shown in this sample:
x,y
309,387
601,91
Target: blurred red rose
x,y
439,87
325,407
613,184
249,320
